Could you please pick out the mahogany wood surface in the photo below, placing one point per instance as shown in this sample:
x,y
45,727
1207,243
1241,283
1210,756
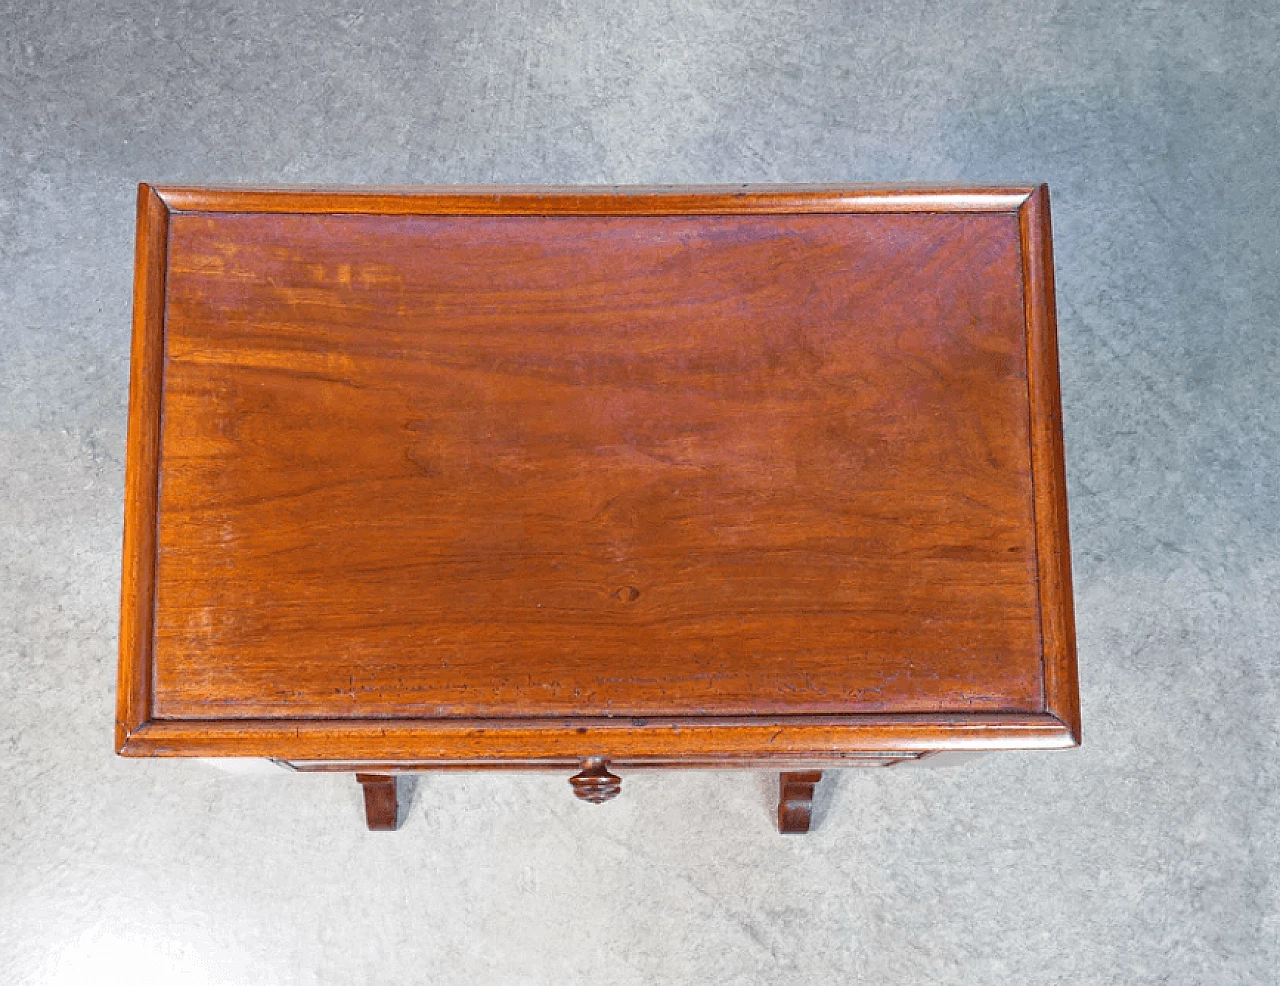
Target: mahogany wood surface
x,y
381,801
489,476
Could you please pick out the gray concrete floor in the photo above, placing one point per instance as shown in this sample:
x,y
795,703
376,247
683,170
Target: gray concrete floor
x,y
1148,856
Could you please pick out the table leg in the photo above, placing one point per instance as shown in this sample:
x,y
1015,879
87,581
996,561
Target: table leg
x,y
381,805
795,800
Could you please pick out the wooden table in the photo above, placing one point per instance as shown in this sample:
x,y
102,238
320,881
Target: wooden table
x,y
594,480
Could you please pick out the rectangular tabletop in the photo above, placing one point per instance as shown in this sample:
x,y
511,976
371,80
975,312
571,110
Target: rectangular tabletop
x,y
444,465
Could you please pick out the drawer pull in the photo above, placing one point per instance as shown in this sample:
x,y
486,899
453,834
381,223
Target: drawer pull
x,y
595,783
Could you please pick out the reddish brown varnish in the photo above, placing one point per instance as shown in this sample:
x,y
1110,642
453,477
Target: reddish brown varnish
x,y
381,801
545,476
795,800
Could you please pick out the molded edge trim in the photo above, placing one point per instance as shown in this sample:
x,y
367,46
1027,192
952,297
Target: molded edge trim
x,y
142,466
786,738
599,200
1048,467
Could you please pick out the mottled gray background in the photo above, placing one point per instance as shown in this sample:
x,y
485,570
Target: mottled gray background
x,y
1148,856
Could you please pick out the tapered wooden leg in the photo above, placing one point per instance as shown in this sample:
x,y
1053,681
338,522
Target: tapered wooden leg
x,y
381,805
795,800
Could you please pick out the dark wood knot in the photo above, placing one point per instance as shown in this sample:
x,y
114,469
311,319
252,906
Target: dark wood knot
x,y
595,784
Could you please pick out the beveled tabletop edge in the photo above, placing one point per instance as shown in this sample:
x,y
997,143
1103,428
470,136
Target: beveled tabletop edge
x,y
594,200
782,738
805,737
135,684
1048,466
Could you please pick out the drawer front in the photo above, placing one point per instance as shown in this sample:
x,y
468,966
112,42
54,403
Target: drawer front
x,y
876,758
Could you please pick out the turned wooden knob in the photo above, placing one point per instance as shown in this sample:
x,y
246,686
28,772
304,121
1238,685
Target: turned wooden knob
x,y
594,783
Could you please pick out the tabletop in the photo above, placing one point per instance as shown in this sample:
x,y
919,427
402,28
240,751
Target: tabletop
x,y
485,474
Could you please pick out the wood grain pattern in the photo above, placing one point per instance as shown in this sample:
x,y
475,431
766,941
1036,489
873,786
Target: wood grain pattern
x,y
400,484
541,475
